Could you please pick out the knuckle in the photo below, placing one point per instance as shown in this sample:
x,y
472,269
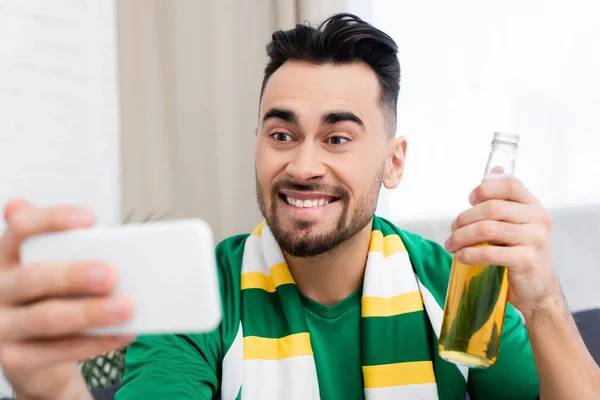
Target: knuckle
x,y
460,220
540,237
492,208
487,229
546,218
4,325
57,217
514,185
71,277
13,205
18,224
27,282
450,241
94,314
486,254
49,319
480,192
529,260
10,359
90,313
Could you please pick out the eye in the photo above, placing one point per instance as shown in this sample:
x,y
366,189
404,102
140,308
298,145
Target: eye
x,y
281,137
337,140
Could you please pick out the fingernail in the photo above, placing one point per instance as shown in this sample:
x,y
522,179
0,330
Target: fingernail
x,y
116,308
82,217
98,275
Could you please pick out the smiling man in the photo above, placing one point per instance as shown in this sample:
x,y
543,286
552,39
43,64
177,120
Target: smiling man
x,y
323,299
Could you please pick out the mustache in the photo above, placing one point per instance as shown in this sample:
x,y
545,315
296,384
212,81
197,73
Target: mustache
x,y
335,191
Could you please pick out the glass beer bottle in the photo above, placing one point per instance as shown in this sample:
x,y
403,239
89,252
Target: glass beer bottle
x,y
477,294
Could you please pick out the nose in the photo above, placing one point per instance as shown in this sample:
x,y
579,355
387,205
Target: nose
x,y
306,164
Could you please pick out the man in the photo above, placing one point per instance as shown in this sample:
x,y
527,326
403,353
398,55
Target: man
x,y
303,294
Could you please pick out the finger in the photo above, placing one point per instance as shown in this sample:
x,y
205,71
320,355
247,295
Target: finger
x,y
495,255
28,221
62,317
499,210
497,170
34,355
34,282
13,206
494,232
509,188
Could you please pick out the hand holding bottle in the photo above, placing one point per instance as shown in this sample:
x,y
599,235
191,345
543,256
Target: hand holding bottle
x,y
509,217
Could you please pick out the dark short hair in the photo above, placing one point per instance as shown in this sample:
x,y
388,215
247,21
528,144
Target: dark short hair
x,y
341,39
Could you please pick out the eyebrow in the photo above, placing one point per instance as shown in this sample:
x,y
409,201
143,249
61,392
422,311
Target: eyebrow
x,y
340,116
329,118
282,114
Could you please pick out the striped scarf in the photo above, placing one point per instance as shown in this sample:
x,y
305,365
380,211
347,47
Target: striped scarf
x,y
274,360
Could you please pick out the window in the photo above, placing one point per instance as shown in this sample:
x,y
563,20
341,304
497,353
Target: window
x,y
470,68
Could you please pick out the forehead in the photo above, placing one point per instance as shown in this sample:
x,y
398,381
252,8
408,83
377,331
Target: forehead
x,y
311,88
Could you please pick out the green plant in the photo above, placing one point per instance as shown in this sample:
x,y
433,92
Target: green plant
x,y
105,370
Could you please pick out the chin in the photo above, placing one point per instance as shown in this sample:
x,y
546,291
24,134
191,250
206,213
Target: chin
x,y
304,239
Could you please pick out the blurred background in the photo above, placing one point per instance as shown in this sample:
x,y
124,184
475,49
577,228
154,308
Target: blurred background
x,y
146,109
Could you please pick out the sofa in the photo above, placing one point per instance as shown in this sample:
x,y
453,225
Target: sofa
x,y
576,246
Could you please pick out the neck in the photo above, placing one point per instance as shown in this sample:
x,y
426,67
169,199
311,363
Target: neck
x,y
335,275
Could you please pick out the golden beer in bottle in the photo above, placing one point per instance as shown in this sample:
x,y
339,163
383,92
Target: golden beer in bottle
x,y
477,294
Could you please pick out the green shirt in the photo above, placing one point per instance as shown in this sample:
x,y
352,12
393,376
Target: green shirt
x,y
189,366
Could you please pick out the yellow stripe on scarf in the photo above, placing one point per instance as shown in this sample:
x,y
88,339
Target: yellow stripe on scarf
x,y
387,245
258,348
407,373
401,304
259,228
279,275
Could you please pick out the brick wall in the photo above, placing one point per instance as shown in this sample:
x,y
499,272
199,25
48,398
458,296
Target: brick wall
x,y
59,136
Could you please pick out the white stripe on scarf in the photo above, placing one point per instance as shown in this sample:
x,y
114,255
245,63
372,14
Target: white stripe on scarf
x,y
296,377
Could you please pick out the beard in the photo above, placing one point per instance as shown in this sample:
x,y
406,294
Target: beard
x,y
298,240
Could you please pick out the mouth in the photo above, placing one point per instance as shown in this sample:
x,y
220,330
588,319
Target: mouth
x,y
307,199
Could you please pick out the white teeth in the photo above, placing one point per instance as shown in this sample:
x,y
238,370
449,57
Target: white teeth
x,y
306,203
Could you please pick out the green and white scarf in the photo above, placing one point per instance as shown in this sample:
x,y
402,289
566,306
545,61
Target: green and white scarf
x,y
272,358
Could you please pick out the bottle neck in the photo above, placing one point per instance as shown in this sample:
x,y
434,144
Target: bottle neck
x,y
501,162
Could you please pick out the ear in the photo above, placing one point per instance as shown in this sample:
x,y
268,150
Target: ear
x,y
394,166
256,131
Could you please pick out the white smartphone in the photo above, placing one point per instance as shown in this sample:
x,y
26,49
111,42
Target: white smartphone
x,y
168,269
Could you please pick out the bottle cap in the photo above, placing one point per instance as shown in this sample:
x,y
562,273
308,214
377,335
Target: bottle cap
x,y
506,137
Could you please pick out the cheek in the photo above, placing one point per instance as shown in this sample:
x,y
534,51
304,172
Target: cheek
x,y
360,174
268,166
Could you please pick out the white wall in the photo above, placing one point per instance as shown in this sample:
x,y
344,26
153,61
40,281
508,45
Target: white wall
x,y
470,68
59,137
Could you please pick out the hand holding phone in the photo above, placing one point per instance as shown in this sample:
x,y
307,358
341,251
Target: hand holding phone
x,y
167,269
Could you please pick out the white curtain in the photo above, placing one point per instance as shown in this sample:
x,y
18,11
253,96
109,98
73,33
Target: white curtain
x,y
190,75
